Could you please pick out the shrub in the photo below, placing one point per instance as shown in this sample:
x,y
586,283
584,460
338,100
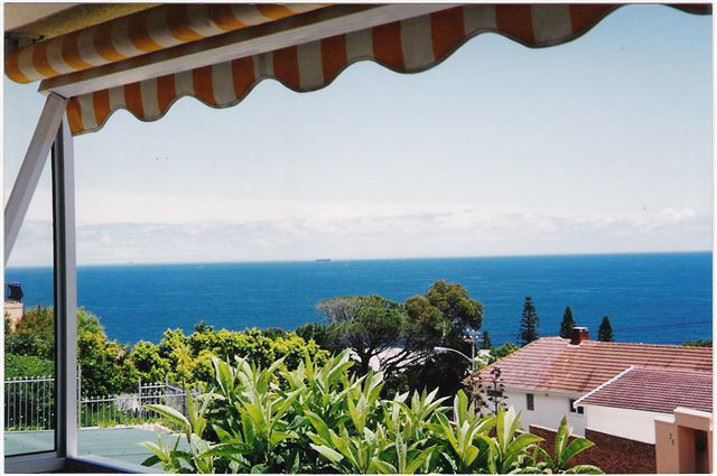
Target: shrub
x,y
27,366
324,418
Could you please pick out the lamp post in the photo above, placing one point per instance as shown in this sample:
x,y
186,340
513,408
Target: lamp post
x,y
449,349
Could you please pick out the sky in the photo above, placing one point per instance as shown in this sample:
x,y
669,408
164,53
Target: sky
x,y
601,145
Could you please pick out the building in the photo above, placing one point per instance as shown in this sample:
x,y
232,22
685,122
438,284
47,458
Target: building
x,y
13,307
611,393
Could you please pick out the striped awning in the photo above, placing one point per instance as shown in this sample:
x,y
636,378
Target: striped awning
x,y
138,34
406,46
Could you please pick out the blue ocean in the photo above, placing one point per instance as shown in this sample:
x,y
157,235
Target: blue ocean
x,y
652,298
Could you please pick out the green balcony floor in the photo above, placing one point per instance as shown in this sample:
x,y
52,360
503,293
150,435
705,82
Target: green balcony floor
x,y
122,444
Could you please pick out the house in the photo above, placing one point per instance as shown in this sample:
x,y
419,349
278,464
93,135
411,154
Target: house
x,y
670,410
580,378
13,306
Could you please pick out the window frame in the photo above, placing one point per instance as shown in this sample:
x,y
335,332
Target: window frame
x,y
530,401
59,141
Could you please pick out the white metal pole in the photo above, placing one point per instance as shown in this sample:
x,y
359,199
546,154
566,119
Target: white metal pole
x,y
31,169
63,197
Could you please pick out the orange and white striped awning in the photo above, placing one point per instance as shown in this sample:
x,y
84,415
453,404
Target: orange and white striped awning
x,y
406,46
138,34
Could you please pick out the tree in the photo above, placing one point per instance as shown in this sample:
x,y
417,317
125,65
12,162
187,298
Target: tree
x,y
699,343
314,331
149,365
485,342
605,332
505,350
566,326
104,364
528,323
369,325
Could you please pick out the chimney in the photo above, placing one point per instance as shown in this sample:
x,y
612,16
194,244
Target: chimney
x,y
580,335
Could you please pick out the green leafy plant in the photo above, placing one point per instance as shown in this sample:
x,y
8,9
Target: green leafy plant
x,y
326,418
564,451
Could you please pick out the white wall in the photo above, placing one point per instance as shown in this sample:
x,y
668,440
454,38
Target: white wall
x,y
632,424
549,409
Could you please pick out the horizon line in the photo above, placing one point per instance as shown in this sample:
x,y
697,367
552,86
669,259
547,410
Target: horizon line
x,y
408,258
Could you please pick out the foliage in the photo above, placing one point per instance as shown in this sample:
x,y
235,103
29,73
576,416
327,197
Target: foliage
x,y
315,331
104,364
505,350
27,366
528,323
188,359
485,342
371,325
326,418
605,332
567,324
148,363
699,343
565,450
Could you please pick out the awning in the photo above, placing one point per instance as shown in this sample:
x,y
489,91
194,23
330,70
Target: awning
x,y
138,34
407,46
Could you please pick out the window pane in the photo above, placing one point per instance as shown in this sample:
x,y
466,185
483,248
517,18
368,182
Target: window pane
x,y
30,332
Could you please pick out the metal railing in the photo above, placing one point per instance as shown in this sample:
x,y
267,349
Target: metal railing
x,y
30,405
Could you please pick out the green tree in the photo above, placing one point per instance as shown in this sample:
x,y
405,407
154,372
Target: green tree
x,y
104,364
566,326
148,363
27,366
605,332
485,342
368,325
528,323
314,331
505,350
699,343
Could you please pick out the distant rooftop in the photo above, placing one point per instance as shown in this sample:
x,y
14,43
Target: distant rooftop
x,y
655,390
551,363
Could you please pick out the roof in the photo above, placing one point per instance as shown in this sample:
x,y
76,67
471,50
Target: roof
x,y
654,390
551,363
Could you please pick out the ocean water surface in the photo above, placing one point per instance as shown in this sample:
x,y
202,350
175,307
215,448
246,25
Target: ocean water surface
x,y
652,298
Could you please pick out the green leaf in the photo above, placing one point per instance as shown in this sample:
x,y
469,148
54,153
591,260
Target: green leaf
x,y
577,446
171,414
328,453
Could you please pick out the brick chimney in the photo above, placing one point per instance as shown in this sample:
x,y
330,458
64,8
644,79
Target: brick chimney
x,y
580,335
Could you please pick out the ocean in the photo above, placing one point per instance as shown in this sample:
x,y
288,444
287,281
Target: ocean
x,y
653,298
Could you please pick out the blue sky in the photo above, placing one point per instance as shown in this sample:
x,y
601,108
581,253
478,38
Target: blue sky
x,y
600,145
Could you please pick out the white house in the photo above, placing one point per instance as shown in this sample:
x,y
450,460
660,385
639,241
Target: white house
x,y
628,405
544,379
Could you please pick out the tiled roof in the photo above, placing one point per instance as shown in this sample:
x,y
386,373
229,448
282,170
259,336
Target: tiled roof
x,y
655,390
551,363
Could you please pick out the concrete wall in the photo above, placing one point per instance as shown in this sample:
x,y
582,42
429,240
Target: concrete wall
x,y
634,425
678,447
13,312
550,408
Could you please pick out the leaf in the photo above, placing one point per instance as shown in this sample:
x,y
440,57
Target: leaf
x,y
319,425
585,469
328,453
172,414
151,461
577,446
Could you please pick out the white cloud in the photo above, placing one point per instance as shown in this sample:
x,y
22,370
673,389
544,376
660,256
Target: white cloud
x,y
235,230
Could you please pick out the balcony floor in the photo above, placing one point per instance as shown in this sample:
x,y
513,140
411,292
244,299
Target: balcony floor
x,y
122,444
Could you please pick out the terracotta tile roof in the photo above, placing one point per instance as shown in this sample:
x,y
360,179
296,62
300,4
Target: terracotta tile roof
x,y
655,390
551,363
